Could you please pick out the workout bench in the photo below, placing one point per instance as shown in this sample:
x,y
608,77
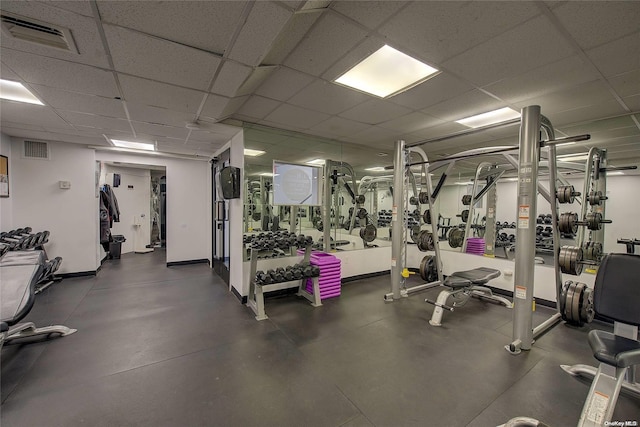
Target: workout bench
x,y
462,285
20,272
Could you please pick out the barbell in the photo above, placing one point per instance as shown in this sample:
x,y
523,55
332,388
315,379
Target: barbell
x,y
596,198
566,194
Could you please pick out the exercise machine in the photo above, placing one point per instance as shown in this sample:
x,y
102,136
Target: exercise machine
x,y
615,299
20,272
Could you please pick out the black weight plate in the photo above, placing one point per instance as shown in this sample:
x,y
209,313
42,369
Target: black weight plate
x,y
428,270
368,233
426,216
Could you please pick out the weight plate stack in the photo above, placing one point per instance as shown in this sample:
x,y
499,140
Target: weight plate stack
x,y
425,241
568,223
456,237
466,199
570,258
428,269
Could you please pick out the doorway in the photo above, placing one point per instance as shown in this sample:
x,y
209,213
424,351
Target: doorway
x,y
220,238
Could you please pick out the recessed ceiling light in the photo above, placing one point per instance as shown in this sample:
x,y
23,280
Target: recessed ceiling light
x,y
253,153
489,118
15,91
316,162
386,72
134,145
572,157
376,169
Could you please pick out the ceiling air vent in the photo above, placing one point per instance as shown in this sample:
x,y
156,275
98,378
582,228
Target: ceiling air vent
x,y
34,31
36,150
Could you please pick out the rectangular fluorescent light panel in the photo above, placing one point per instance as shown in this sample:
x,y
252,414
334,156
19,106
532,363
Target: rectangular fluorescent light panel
x,y
15,91
134,145
489,118
266,174
572,157
253,153
316,162
376,169
385,72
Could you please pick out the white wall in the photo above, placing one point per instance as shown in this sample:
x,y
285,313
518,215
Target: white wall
x,y
236,210
6,203
134,199
188,202
70,215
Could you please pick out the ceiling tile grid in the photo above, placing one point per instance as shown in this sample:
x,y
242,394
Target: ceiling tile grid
x,y
283,84
292,33
231,76
264,23
60,74
162,95
371,16
327,97
330,38
83,31
79,102
463,106
301,118
87,120
530,45
617,57
164,61
206,25
374,111
258,107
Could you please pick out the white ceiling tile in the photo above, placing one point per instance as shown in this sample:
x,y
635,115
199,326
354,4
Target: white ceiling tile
x,y
548,78
202,136
155,94
283,84
587,112
7,124
530,45
376,134
265,21
207,25
233,105
437,31
160,130
328,97
155,115
337,126
465,105
436,89
164,61
586,94
633,102
73,101
61,74
593,23
56,136
7,73
301,118
411,122
94,121
258,76
290,36
82,7
83,29
370,14
325,43
258,107
214,106
439,130
626,84
30,114
230,78
617,57
374,111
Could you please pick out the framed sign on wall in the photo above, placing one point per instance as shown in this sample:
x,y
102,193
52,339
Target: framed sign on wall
x,y
4,176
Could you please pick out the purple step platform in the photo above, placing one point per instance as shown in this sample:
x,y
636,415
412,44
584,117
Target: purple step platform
x,y
330,278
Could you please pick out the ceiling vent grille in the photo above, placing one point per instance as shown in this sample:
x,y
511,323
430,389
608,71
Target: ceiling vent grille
x,y
34,31
36,150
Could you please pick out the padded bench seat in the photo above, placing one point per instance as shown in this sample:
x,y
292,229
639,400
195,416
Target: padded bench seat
x,y
477,276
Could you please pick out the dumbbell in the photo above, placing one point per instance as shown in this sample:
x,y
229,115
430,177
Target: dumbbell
x,y
297,272
512,238
547,219
263,278
275,276
539,230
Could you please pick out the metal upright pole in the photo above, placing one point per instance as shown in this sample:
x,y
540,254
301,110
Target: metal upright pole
x,y
526,231
326,207
397,218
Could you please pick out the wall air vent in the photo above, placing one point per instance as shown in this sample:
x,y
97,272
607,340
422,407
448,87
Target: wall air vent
x,y
34,31
36,150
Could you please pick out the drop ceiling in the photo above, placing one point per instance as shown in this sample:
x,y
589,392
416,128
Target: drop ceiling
x,y
144,69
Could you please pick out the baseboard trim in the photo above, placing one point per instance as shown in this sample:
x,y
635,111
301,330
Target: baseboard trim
x,y
188,262
78,274
365,276
242,299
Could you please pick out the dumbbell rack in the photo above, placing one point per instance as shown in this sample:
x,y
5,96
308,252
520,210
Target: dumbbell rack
x,y
255,301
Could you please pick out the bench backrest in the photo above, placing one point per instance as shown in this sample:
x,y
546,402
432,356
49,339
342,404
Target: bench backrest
x,y
617,288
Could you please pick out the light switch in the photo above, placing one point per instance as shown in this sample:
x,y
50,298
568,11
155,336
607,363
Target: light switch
x,y
65,185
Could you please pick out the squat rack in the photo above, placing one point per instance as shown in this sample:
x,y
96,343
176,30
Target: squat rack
x,y
531,124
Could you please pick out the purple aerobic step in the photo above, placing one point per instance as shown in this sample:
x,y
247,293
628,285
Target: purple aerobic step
x,y
329,281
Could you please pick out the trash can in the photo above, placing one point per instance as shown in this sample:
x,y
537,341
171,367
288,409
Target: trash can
x,y
115,247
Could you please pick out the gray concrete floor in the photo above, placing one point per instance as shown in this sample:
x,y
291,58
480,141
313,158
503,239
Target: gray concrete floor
x,y
160,346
